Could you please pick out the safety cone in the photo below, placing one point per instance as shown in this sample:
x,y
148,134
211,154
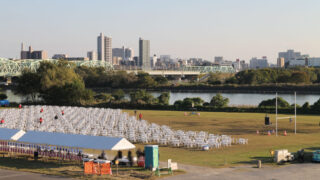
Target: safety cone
x,y
269,133
285,133
258,132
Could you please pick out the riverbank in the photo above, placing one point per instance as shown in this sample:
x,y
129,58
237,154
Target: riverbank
x,y
262,89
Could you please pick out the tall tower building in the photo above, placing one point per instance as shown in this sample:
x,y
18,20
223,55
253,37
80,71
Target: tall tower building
x,y
100,47
144,54
104,48
108,49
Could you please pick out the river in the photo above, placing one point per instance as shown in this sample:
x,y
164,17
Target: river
x,y
234,98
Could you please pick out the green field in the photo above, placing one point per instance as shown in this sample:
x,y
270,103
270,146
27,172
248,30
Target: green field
x,y
238,125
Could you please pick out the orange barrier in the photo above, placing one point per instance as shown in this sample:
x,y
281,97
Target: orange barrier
x,y
88,167
96,168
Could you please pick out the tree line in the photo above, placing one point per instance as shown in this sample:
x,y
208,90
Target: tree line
x,y
297,75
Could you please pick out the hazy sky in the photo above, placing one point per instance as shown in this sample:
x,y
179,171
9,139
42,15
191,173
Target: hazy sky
x,y
182,28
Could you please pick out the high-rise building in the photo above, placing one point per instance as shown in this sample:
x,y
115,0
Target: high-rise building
x,y
129,53
100,47
144,54
280,62
92,55
123,53
256,63
104,48
31,54
218,59
118,52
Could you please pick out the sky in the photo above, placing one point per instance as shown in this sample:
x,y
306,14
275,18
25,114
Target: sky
x,y
181,28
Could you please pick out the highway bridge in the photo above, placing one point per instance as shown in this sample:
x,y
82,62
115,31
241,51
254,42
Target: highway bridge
x,y
12,68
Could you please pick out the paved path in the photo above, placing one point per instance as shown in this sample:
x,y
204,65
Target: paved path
x,y
12,175
307,171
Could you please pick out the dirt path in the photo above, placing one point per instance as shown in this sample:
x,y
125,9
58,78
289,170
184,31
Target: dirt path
x,y
307,171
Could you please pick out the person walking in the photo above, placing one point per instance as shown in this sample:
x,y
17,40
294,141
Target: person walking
x,y
20,106
140,116
41,120
2,121
62,112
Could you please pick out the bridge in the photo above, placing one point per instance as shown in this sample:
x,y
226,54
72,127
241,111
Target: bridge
x,y
11,68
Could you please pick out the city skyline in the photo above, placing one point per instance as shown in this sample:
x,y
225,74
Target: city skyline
x,y
185,29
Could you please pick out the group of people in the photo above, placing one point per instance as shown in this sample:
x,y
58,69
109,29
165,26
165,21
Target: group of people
x,y
41,111
140,115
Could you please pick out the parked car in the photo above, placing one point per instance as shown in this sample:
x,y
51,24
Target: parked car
x,y
316,156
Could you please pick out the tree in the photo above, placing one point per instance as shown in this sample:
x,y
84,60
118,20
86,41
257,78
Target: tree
x,y
161,80
141,97
219,101
163,99
70,94
28,85
177,103
118,94
299,77
272,103
3,96
145,80
214,78
197,101
306,105
316,105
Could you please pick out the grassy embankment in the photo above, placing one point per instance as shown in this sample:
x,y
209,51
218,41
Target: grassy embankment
x,y
238,125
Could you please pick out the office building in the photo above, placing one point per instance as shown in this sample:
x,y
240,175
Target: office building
x,y
236,65
59,56
218,59
31,54
123,53
314,61
280,62
144,54
76,58
288,56
118,52
104,48
92,55
165,58
256,63
129,53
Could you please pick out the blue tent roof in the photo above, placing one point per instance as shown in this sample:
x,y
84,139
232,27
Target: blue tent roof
x,y
6,134
76,140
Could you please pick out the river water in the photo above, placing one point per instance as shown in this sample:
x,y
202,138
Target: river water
x,y
242,98
234,98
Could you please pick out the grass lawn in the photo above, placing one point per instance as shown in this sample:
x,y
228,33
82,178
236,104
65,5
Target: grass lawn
x,y
238,125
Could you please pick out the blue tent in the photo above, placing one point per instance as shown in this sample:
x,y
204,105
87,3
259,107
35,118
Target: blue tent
x,y
4,103
6,134
76,140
